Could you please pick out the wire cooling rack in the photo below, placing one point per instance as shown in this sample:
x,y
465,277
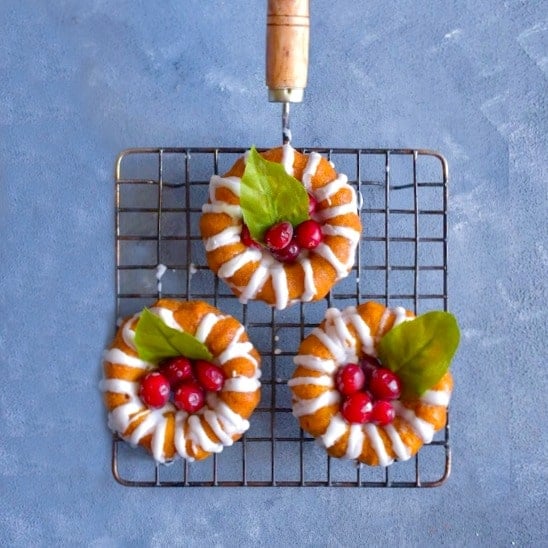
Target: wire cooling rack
x,y
401,261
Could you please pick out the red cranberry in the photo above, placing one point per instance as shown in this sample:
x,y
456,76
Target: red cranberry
x,y
154,390
210,376
384,384
246,239
383,413
189,396
369,364
350,379
357,407
176,370
309,234
287,254
279,235
312,204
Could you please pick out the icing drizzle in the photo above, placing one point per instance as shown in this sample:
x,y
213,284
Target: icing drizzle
x,y
268,268
342,335
224,421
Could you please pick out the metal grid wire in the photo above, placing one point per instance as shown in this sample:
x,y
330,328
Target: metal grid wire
x,y
401,261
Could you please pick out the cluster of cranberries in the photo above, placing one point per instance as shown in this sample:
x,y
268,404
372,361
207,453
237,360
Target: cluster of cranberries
x,y
368,389
186,380
285,242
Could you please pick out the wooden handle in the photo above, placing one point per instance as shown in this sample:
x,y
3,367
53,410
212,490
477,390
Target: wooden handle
x,y
287,36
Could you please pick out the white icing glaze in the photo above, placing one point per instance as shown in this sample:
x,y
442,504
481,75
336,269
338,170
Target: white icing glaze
x,y
339,230
322,380
269,268
315,363
355,442
336,429
230,235
231,183
241,384
146,426
115,355
128,334
207,323
341,269
400,449
199,436
310,406
279,284
336,318
119,386
232,210
232,266
288,158
423,429
231,421
335,348
224,422
161,269
342,343
119,418
400,315
236,350
330,189
436,397
360,201
179,438
310,169
364,334
377,443
213,420
336,211
158,438
309,284
166,316
257,281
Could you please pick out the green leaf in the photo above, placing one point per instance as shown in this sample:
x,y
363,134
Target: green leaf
x,y
420,351
269,195
156,341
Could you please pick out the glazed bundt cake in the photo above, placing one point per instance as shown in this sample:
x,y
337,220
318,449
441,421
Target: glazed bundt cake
x,y
368,394
180,379
284,261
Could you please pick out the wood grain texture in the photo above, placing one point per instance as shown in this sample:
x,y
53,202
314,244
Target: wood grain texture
x,y
287,44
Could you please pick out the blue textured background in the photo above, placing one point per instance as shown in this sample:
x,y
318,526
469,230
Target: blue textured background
x,y
79,81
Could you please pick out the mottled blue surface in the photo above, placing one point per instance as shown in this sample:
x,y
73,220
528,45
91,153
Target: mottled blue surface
x,y
79,81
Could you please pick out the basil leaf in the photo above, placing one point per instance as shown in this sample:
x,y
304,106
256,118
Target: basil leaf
x,y
156,341
420,351
268,195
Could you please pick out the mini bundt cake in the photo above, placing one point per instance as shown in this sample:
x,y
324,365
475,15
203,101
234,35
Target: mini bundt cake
x,y
352,403
180,379
287,264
